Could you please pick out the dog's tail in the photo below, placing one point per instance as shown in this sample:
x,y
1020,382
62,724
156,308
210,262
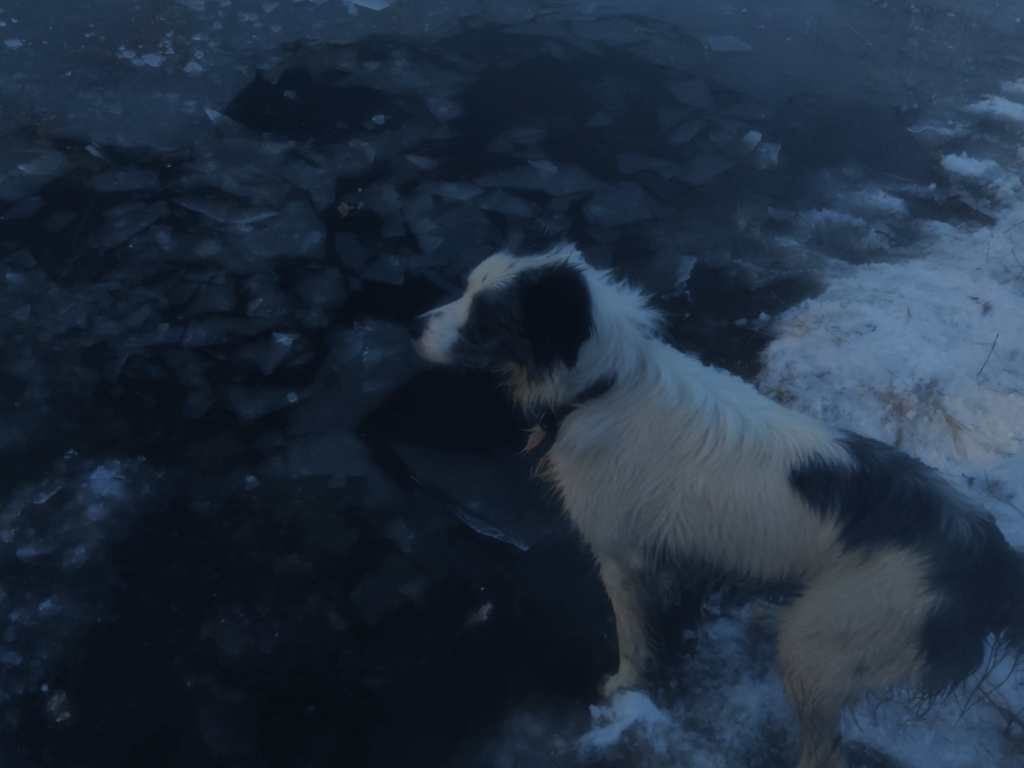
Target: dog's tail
x,y
1005,608
980,621
1012,617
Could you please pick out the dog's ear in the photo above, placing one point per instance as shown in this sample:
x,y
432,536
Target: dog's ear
x,y
539,319
556,314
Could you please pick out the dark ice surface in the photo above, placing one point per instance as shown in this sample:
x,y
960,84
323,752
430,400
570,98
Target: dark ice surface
x,y
240,525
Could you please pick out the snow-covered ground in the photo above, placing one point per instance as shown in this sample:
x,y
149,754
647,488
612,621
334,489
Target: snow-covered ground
x,y
928,354
924,349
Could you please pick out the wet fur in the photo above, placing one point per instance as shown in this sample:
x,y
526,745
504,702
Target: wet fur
x,y
902,579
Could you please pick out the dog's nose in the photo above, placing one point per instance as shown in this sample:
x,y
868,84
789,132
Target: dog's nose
x,y
419,325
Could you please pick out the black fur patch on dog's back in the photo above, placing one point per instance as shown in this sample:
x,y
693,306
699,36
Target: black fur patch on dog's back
x,y
889,499
886,497
540,318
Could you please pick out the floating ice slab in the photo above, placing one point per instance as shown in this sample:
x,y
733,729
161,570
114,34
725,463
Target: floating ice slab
x,y
387,269
619,205
48,164
686,132
727,44
705,168
373,5
456,190
224,211
632,162
767,155
127,180
489,530
506,203
693,93
542,176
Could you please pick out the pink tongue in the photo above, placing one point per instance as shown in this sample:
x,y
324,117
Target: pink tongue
x,y
536,437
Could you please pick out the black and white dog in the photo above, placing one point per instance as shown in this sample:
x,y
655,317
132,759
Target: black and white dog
x,y
658,456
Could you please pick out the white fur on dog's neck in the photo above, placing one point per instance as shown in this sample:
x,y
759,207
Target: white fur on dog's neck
x,y
714,419
682,430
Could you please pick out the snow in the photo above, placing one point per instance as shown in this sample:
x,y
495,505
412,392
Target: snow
x,y
973,168
988,173
876,201
898,351
925,352
728,702
999,108
627,710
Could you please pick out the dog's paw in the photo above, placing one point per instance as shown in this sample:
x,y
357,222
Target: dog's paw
x,y
626,677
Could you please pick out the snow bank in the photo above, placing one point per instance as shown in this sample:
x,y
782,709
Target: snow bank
x,y
927,352
984,172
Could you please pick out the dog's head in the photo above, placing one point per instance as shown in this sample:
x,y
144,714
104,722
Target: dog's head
x,y
529,316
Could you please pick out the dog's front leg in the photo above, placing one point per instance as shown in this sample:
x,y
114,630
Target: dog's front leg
x,y
623,592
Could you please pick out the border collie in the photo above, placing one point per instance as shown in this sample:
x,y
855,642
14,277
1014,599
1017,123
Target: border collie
x,y
656,456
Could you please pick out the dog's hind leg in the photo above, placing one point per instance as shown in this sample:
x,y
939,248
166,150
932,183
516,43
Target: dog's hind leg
x,y
855,628
624,593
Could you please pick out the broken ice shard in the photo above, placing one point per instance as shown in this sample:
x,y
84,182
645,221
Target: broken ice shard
x,y
686,132
490,531
124,222
767,155
455,190
352,253
225,211
373,5
693,93
48,163
618,205
127,180
498,201
250,403
727,44
705,168
386,269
